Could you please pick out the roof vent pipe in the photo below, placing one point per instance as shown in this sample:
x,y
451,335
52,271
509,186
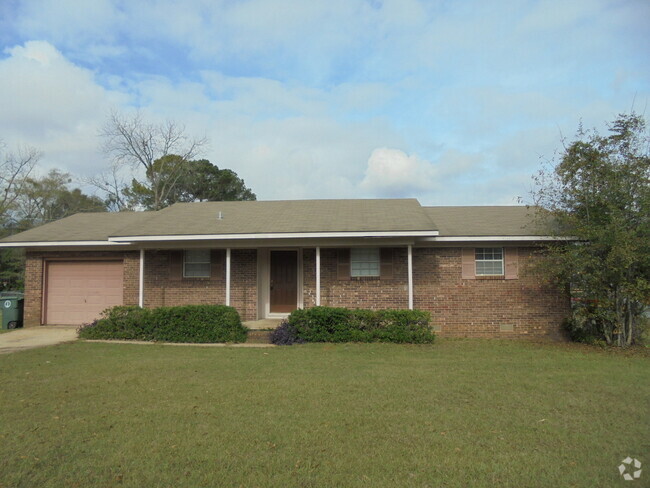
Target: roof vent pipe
x,y
220,216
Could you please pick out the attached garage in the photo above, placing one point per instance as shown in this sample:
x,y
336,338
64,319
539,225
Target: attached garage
x,y
76,292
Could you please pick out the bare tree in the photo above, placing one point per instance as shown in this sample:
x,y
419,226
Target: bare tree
x,y
113,185
15,168
132,141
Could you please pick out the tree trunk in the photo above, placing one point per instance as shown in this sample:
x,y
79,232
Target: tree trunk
x,y
608,334
620,317
629,322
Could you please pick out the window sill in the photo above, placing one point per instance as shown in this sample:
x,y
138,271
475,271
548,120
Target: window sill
x,y
490,277
364,278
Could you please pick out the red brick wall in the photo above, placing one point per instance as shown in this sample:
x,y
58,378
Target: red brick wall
x,y
160,289
459,307
371,293
243,282
33,289
34,269
486,307
131,277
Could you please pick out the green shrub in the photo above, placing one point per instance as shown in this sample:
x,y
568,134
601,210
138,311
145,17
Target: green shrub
x,y
329,324
198,323
189,323
122,322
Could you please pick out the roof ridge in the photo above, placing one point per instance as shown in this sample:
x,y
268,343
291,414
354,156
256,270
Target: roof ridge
x,y
301,200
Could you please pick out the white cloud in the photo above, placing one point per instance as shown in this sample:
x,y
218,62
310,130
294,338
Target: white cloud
x,y
53,105
280,137
392,172
297,157
284,139
453,177
294,96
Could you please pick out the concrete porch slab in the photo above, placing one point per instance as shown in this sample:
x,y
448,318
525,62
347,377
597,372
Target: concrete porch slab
x,y
262,324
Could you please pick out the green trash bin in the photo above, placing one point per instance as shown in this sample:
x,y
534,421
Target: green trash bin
x,y
12,309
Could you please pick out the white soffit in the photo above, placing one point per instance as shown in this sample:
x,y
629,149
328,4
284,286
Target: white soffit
x,y
296,235
61,243
495,238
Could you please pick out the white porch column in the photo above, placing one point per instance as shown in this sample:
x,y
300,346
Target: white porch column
x,y
410,273
228,276
318,276
141,280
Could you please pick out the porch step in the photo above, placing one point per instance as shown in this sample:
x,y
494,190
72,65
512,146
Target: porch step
x,y
262,324
259,337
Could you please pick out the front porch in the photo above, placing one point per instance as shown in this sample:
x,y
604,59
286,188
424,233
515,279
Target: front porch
x,y
267,283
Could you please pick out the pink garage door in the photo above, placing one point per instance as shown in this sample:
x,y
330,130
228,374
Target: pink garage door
x,y
77,291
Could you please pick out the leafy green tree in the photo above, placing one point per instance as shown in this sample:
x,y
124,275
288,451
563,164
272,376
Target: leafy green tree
x,y
187,181
598,198
40,200
12,264
49,198
203,181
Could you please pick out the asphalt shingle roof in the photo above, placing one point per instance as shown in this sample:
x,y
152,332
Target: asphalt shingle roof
x,y
485,221
91,226
287,216
290,216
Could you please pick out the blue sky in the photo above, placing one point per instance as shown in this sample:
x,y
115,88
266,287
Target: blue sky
x,y
452,102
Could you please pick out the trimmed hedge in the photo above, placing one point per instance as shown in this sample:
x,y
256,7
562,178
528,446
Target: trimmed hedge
x,y
188,323
329,324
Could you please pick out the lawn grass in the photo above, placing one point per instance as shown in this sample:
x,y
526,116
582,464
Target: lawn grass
x,y
453,414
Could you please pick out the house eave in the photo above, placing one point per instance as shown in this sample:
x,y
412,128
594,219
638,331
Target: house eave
x,y
413,237
279,235
495,238
62,244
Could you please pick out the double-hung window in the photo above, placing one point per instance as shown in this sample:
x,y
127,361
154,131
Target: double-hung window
x,y
196,263
489,261
364,262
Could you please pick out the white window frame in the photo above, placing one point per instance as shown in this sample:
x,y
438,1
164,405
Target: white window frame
x,y
186,262
493,260
368,260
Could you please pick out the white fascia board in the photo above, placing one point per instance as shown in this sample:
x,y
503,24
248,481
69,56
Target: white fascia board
x,y
61,243
495,238
285,235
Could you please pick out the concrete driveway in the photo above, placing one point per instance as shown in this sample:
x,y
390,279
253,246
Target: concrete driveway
x,y
32,337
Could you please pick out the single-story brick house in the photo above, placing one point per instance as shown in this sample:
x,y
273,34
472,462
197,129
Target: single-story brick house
x,y
468,266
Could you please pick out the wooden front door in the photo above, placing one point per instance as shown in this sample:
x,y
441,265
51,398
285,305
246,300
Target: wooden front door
x,y
284,281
